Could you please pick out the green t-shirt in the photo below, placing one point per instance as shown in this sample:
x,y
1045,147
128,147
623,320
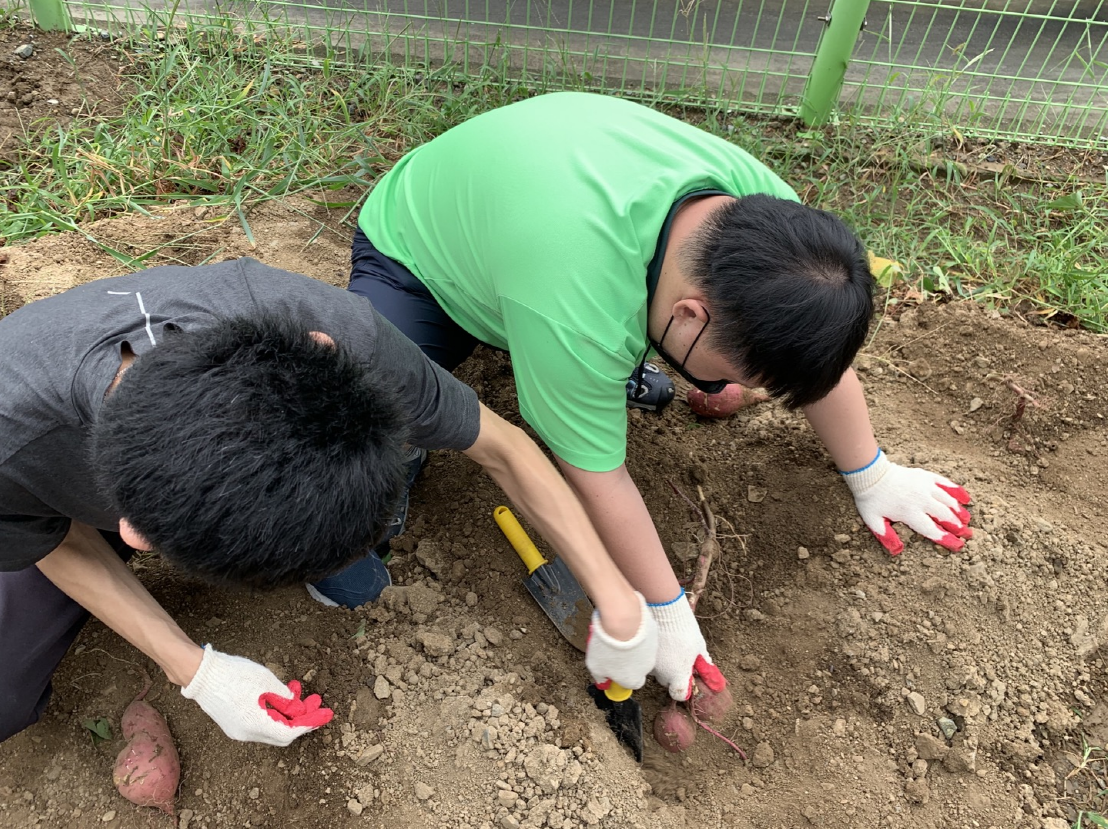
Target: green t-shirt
x,y
533,225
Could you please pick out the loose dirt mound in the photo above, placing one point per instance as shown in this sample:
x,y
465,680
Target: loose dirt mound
x,y
457,705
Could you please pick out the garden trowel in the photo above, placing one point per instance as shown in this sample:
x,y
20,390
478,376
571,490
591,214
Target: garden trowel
x,y
560,596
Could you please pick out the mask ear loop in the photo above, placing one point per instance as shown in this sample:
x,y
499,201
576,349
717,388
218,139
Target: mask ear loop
x,y
695,341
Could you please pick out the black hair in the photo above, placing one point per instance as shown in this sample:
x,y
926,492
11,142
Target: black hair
x,y
790,292
249,452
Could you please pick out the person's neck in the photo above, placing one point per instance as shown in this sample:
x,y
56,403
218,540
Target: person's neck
x,y
126,357
673,285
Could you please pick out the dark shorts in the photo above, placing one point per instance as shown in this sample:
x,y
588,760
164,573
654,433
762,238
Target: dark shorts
x,y
38,623
403,300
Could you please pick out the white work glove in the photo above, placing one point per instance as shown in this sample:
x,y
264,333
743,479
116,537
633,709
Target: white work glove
x,y
885,492
626,662
250,703
682,652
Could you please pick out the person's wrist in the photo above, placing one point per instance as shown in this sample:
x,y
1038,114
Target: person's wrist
x,y
621,614
865,476
181,662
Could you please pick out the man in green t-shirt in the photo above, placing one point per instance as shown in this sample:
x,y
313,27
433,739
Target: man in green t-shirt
x,y
579,231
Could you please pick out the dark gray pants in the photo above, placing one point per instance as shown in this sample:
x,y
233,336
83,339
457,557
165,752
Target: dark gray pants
x,y
403,300
38,623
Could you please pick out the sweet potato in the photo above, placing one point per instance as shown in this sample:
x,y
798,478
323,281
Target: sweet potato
x,y
147,770
673,729
711,706
733,397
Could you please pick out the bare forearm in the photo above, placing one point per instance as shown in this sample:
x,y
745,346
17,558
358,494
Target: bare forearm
x,y
87,570
841,420
532,483
619,514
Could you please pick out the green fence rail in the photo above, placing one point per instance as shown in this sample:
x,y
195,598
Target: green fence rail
x,y
1034,70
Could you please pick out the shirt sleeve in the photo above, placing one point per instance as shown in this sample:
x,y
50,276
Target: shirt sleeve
x,y
442,411
26,540
572,390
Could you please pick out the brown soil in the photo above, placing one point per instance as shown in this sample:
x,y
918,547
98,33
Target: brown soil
x,y
457,705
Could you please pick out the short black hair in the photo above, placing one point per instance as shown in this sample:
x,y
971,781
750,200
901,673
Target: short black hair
x,y
248,452
789,289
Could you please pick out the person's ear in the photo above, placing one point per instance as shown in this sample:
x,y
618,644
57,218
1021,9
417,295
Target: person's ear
x,y
691,308
132,537
321,338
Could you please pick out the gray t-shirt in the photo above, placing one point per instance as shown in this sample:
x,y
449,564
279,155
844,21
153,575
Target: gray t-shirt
x,y
59,355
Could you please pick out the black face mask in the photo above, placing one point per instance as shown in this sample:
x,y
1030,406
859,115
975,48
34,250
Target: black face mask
x,y
706,386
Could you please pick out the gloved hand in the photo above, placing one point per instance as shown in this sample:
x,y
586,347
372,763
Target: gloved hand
x,y
930,504
250,704
627,662
682,652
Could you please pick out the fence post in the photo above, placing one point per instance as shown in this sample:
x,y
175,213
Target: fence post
x,y
51,15
825,79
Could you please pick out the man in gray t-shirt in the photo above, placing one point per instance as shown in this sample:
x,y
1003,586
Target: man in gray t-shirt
x,y
249,424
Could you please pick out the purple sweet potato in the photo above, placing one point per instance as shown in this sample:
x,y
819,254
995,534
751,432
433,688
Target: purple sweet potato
x,y
147,770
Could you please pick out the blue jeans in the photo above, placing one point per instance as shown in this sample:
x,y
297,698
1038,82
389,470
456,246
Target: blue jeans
x,y
359,583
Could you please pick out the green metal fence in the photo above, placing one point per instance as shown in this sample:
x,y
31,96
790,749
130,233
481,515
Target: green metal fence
x,y
1022,69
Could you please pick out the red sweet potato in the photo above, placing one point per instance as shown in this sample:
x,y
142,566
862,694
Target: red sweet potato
x,y
733,397
147,770
673,729
711,706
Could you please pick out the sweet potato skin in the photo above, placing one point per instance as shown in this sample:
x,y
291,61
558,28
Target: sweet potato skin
x,y
711,706
148,769
673,729
726,403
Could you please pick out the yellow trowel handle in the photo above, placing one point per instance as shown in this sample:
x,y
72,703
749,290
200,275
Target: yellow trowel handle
x,y
616,692
516,535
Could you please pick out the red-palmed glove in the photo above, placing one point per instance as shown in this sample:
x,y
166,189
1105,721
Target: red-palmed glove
x,y
627,662
682,652
933,506
250,703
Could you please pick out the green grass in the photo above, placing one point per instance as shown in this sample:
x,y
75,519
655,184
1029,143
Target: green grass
x,y
220,117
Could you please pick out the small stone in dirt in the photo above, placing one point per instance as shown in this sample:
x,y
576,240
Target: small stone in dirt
x,y
435,644
976,404
494,636
960,762
917,791
108,816
471,599
947,726
25,51
423,599
929,747
184,818
381,688
432,556
916,703
509,822
354,807
967,707
507,798
763,756
839,728
545,765
755,494
368,754
802,553
423,791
